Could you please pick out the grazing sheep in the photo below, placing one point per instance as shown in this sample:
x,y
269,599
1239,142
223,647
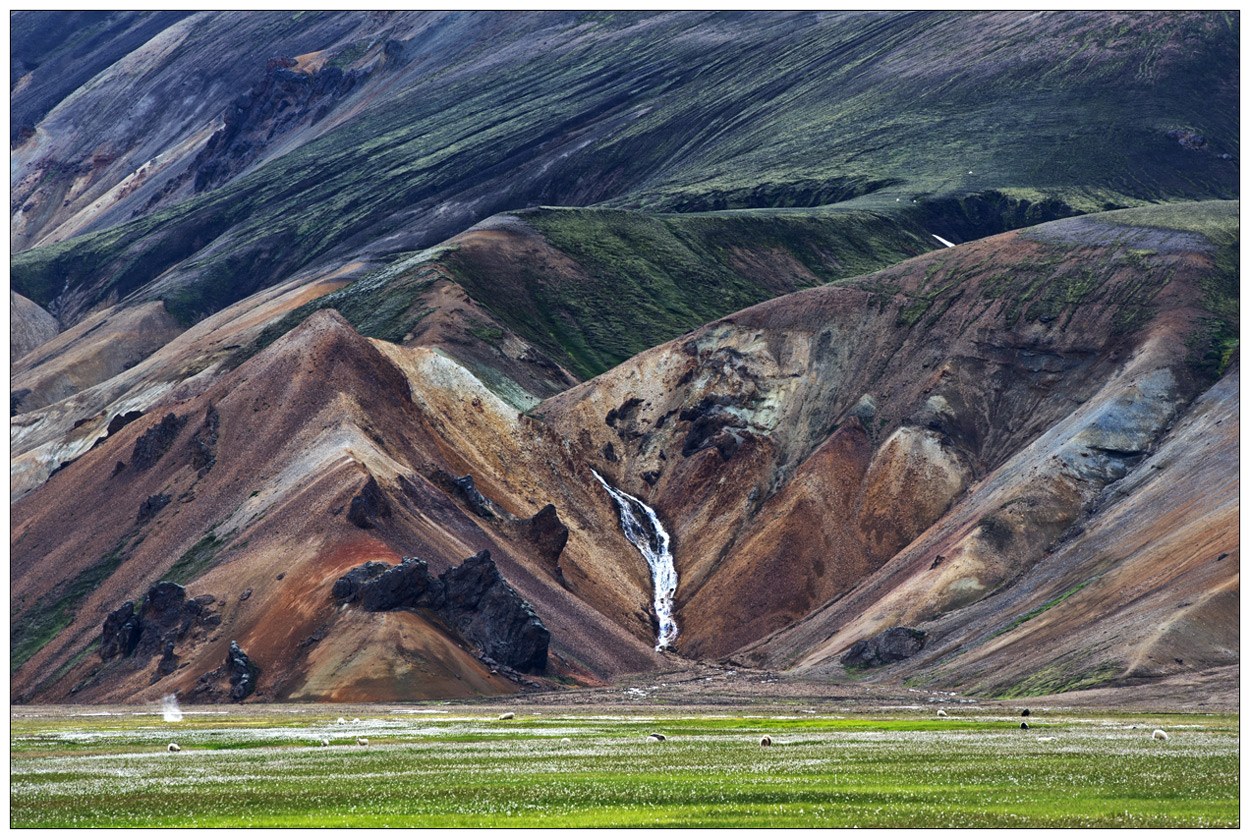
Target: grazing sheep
x,y
341,721
1159,734
509,715
1025,726
766,740
564,741
355,721
941,713
659,738
174,747
1045,739
1025,712
325,742
362,741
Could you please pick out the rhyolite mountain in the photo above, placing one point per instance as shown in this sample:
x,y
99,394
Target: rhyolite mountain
x,y
321,321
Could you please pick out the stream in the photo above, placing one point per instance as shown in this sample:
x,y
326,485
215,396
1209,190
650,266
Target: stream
x,y
644,531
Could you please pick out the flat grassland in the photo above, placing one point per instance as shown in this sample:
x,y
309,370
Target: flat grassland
x,y
443,765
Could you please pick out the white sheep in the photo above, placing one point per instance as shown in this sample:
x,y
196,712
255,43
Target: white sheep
x,y
362,741
325,742
356,721
1159,734
766,740
564,741
174,747
941,713
507,716
1045,739
341,721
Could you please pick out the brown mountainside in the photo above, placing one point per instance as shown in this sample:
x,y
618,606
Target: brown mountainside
x,y
1004,445
378,356
798,445
297,433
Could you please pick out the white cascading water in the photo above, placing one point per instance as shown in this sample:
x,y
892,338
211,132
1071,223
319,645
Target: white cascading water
x,y
642,528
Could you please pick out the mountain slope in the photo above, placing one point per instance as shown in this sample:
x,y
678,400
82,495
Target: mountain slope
x,y
1143,586
300,297
806,440
670,111
790,449
291,437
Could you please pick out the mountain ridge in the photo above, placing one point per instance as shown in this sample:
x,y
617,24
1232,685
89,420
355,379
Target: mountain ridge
x,y
449,423
916,326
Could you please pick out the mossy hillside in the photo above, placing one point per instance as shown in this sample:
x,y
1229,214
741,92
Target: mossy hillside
x,y
198,558
1104,259
1076,672
1219,223
385,303
774,110
119,260
35,625
640,279
644,279
1069,106
1054,601
1135,236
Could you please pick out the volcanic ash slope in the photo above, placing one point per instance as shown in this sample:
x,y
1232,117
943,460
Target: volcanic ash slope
x,y
895,450
965,444
257,477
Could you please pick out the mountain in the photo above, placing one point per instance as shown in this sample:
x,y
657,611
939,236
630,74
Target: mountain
x,y
324,325
378,134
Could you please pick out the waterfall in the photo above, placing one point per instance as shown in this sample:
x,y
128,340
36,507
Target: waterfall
x,y
642,528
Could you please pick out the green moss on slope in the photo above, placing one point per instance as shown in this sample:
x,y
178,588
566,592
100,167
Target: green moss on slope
x,y
384,304
1058,113
642,279
33,628
637,279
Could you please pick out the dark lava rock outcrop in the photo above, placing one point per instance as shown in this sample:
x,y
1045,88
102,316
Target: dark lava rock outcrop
x,y
154,442
368,505
487,611
549,535
164,621
120,421
151,505
120,633
348,586
712,424
284,99
242,672
473,599
464,489
406,585
893,645
234,681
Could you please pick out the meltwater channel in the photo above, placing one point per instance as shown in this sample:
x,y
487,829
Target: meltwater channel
x,y
642,528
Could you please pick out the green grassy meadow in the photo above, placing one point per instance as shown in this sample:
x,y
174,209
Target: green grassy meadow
x,y
452,767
